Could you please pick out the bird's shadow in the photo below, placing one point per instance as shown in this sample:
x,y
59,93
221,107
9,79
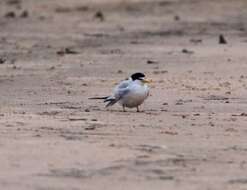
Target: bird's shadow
x,y
133,111
127,111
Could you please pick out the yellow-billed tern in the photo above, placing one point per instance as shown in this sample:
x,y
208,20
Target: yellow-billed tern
x,y
129,93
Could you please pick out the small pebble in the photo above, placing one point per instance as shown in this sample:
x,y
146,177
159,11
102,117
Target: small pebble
x,y
24,14
10,14
99,15
222,39
2,60
187,51
176,17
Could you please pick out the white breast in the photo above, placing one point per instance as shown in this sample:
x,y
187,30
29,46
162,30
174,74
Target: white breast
x,y
138,92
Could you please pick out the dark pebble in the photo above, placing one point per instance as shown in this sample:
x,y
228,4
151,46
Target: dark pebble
x,y
99,15
187,51
24,14
2,60
222,39
152,62
10,14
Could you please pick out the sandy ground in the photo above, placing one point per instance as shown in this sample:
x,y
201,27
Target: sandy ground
x,y
55,54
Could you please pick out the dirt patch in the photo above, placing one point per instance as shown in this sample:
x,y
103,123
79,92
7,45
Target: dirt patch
x,y
191,132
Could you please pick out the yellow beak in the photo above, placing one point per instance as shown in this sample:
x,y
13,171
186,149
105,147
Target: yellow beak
x,y
146,80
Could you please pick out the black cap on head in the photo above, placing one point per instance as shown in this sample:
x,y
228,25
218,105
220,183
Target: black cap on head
x,y
137,76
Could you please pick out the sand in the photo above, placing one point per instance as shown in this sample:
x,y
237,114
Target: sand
x,y
191,133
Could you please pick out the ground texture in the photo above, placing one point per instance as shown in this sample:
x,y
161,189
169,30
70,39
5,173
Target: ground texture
x,y
56,54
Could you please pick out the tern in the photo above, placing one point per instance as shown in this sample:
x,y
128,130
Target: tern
x,y
129,93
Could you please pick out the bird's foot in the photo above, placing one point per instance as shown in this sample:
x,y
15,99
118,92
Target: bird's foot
x,y
137,109
124,109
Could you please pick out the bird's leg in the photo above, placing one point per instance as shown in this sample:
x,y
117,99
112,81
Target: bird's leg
x,y
124,109
137,109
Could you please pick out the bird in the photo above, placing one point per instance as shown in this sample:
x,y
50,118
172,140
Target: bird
x,y
129,93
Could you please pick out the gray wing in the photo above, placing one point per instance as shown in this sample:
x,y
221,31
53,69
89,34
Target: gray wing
x,y
123,84
121,93
122,89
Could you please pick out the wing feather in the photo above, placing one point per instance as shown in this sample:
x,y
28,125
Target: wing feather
x,y
119,92
122,89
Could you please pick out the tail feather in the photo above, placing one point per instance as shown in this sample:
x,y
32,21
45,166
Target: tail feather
x,y
99,98
108,99
111,100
